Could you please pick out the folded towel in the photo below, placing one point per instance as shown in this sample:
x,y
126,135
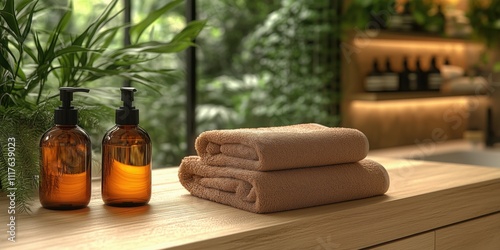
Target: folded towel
x,y
265,192
276,148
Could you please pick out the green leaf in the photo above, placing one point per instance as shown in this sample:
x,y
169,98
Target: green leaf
x,y
73,49
108,37
100,22
99,71
9,15
4,62
154,47
79,39
21,74
191,31
137,30
101,35
27,28
40,53
54,36
29,50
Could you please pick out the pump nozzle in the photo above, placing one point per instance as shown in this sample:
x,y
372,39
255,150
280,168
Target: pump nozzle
x,y
128,96
66,114
127,114
66,95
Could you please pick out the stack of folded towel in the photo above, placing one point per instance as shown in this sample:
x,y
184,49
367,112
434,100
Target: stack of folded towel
x,y
272,169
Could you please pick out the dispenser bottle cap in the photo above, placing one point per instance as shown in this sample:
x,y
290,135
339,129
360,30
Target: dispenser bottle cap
x,y
127,114
67,114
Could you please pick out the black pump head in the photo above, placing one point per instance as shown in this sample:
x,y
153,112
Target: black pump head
x,y
67,114
128,96
127,114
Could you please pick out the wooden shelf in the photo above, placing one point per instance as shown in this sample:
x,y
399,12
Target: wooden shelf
x,y
412,36
386,96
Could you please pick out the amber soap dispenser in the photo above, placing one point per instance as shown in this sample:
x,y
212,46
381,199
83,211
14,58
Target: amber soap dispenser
x,y
65,159
126,158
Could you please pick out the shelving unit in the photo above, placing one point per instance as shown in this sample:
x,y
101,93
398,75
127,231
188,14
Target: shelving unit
x,y
407,37
416,115
395,36
413,36
363,46
386,96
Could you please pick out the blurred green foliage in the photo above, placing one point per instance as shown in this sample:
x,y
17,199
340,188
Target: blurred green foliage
x,y
278,70
360,12
363,13
484,17
260,63
295,60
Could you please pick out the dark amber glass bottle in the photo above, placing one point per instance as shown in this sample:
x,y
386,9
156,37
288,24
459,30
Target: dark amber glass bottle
x,y
126,158
65,159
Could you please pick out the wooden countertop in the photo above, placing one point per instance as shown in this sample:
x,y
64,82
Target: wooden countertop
x,y
423,196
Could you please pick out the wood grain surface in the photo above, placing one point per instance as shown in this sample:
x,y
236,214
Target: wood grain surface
x,y
423,241
423,196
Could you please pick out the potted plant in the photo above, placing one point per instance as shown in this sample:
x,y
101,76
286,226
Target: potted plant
x,y
34,63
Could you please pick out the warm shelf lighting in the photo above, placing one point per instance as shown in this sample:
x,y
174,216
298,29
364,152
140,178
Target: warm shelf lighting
x,y
409,104
410,45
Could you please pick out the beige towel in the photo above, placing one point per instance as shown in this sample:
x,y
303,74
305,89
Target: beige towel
x,y
275,148
264,192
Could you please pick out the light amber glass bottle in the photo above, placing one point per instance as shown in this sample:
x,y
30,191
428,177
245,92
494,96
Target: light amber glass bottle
x,y
126,158
65,159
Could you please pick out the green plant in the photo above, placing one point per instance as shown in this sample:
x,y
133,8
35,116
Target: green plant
x,y
222,85
284,71
484,17
295,64
359,13
427,17
34,63
229,24
365,14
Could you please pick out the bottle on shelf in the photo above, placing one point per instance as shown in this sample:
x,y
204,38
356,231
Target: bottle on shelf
x,y
408,22
407,78
391,78
374,81
401,20
437,21
422,81
434,75
440,20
